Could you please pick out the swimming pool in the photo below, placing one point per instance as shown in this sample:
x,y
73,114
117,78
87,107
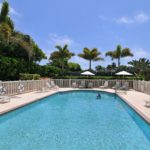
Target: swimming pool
x,y
75,120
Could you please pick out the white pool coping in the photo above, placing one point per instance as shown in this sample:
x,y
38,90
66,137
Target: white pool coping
x,y
133,98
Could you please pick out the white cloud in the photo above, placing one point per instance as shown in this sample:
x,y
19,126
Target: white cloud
x,y
60,40
140,53
139,19
12,11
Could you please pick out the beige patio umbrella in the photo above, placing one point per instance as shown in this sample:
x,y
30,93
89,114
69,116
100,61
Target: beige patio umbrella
x,y
87,73
124,73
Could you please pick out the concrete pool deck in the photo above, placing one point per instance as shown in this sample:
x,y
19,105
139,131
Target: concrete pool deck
x,y
133,98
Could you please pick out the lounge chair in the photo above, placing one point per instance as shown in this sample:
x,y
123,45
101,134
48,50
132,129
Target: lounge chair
x,y
124,87
4,99
2,90
51,87
82,85
48,86
105,85
74,85
117,86
90,85
54,85
147,103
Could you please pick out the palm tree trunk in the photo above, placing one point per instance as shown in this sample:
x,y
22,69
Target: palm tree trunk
x,y
119,62
62,68
29,64
90,65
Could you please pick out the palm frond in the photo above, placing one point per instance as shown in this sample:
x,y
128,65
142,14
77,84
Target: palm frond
x,y
126,52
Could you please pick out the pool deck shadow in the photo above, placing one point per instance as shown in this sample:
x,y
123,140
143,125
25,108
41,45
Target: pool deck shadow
x,y
133,98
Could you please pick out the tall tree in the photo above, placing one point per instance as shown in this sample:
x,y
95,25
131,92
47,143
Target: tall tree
x,y
141,67
16,46
61,56
74,67
119,53
91,55
99,69
4,15
4,12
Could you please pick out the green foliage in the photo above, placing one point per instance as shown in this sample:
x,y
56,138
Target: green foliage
x,y
99,68
4,16
119,53
74,67
14,43
112,66
91,55
50,71
141,68
61,56
9,68
18,51
4,12
25,76
5,32
95,77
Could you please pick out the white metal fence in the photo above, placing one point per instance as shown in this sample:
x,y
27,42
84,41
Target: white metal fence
x,y
29,86
34,85
64,83
142,86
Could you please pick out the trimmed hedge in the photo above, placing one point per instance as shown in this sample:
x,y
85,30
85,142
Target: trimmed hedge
x,y
25,76
96,77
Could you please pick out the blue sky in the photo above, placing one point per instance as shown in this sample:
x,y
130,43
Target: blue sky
x,y
86,23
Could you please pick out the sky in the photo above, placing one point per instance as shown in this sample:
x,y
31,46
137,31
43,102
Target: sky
x,y
85,23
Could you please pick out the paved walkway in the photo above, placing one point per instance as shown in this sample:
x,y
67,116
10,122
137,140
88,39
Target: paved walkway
x,y
135,99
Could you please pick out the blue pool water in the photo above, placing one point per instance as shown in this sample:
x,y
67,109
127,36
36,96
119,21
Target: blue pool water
x,y
75,121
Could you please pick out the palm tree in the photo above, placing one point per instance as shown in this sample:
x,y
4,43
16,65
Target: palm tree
x,y
90,55
141,67
4,12
61,56
119,53
6,24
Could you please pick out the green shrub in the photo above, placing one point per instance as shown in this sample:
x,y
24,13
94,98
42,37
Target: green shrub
x,y
95,77
10,68
25,76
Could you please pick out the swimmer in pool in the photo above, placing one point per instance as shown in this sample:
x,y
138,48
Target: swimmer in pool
x,y
98,96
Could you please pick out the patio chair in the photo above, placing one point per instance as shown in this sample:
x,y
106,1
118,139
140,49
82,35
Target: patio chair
x,y
74,85
4,99
124,87
105,85
48,86
117,86
147,103
2,90
82,85
90,85
54,85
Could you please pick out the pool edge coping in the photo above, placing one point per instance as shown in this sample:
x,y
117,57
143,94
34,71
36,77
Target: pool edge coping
x,y
137,110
